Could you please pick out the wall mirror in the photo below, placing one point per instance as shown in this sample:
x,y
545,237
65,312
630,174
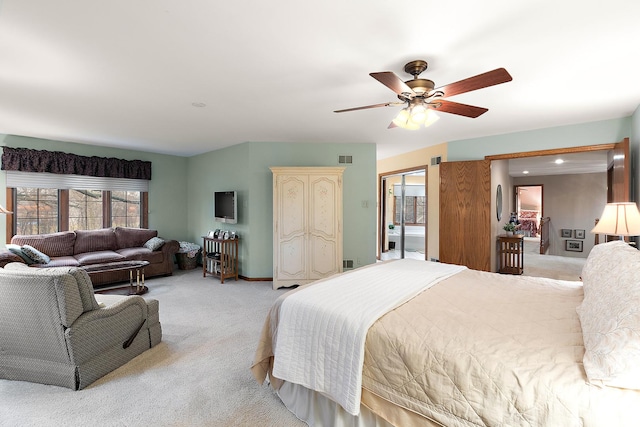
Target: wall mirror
x,y
499,202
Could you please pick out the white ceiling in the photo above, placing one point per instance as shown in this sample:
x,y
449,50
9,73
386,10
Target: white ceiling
x,y
574,163
128,73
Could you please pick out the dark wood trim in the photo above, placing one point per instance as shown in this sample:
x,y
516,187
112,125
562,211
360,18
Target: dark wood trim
x,y
256,279
144,209
63,210
106,209
551,152
10,218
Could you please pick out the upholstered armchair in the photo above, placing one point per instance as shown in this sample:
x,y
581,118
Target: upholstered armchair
x,y
54,330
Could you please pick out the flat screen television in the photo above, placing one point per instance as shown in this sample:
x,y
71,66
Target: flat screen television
x,y
225,206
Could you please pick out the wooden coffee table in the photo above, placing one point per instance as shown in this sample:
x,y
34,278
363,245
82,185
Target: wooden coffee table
x,y
136,274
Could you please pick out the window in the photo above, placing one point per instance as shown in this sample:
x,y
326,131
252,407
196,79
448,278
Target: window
x,y
85,209
415,213
36,210
125,208
44,210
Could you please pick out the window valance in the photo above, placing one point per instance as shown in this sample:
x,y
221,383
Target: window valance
x,y
28,160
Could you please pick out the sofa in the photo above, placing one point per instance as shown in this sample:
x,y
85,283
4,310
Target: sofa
x,y
104,247
54,330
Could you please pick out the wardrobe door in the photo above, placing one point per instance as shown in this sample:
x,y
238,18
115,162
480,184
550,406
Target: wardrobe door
x,y
307,224
325,237
290,230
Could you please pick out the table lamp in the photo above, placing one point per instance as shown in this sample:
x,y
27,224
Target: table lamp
x,y
619,219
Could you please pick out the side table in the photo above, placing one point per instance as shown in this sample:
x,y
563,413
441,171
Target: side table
x,y
511,254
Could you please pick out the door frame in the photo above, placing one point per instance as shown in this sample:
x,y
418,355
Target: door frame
x,y
382,205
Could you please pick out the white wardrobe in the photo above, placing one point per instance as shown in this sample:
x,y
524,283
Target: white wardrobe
x,y
307,224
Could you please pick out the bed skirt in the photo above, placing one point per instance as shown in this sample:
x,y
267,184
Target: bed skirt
x,y
318,410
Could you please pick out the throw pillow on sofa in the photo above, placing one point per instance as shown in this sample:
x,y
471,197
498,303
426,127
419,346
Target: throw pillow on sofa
x,y
16,249
154,243
37,256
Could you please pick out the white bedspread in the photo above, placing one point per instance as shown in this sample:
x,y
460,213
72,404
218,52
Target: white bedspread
x,y
322,329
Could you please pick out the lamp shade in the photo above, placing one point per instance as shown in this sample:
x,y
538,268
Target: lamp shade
x,y
620,219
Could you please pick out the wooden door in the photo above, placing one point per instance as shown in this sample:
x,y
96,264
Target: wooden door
x,y
465,209
290,229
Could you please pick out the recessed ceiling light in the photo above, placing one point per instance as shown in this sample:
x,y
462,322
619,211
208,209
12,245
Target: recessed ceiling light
x,y
559,161
525,172
199,104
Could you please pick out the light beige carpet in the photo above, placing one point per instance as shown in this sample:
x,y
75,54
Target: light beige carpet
x,y
551,266
197,376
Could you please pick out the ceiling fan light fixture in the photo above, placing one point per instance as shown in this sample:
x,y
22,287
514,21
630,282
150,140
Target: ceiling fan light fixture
x,y
403,120
431,118
418,114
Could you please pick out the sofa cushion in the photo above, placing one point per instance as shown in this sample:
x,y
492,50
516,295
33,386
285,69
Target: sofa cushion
x,y
52,244
103,239
154,243
61,261
142,254
133,237
98,257
37,256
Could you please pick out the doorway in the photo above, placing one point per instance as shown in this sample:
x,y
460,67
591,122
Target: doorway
x,y
403,215
529,209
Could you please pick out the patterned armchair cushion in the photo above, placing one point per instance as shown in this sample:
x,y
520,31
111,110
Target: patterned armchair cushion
x,y
37,256
610,317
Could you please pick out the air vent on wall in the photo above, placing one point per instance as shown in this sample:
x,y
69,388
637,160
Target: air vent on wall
x,y
436,160
345,160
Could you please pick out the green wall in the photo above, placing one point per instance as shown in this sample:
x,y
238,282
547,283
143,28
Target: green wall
x,y
592,133
167,195
245,169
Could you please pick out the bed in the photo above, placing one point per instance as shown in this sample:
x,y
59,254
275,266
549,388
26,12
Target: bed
x,y
529,222
470,348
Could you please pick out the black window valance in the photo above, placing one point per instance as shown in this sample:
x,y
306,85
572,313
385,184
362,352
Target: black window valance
x,y
27,160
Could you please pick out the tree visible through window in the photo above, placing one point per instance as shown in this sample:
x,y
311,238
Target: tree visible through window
x,y
36,210
85,209
125,208
43,210
415,213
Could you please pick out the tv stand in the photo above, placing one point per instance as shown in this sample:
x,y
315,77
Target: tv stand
x,y
220,258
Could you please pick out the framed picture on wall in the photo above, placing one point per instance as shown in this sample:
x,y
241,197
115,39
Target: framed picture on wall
x,y
578,234
573,245
566,232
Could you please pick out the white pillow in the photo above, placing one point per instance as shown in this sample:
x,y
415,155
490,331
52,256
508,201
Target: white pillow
x,y
610,315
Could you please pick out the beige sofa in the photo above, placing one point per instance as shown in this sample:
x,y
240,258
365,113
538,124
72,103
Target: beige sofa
x,y
83,248
54,330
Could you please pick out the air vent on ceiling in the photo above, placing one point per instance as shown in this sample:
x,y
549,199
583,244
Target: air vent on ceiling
x,y
436,160
345,160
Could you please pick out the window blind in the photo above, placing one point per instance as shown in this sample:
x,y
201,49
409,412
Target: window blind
x,y
67,182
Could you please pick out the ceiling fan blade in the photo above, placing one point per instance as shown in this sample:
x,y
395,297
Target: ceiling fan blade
x,y
392,81
490,78
457,108
366,107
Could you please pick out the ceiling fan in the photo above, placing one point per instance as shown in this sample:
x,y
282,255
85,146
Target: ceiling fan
x,y
421,97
